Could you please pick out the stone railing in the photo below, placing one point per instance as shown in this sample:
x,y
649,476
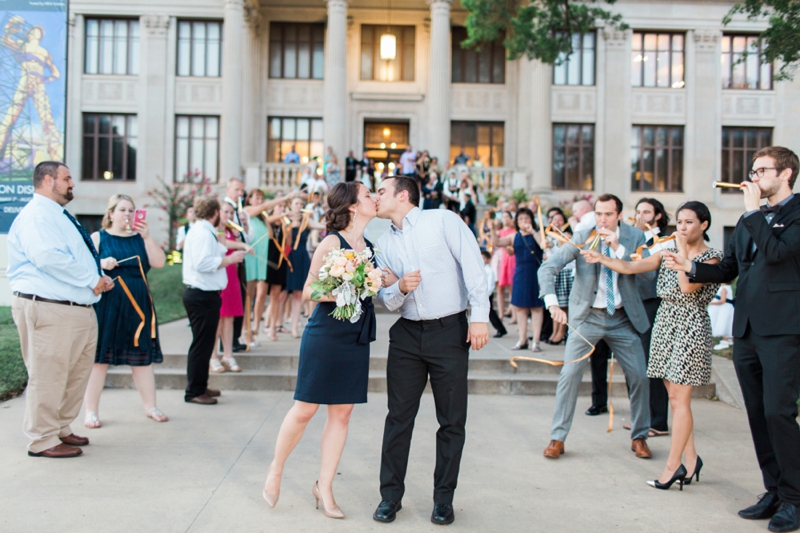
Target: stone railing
x,y
499,180
277,176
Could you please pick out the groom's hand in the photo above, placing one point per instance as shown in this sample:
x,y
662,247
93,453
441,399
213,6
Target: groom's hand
x,y
478,335
558,314
410,282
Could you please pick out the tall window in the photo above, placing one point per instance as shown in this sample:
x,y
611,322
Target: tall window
x,y
483,141
578,67
112,46
657,158
109,147
305,134
487,65
196,148
296,50
741,63
573,156
401,68
657,60
199,48
738,147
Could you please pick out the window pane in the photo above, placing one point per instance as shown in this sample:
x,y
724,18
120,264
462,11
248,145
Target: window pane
x,y
636,68
408,61
646,182
106,47
275,128
660,179
213,53
366,58
587,62
484,66
210,163
725,67
199,49
560,74
184,50
649,69
289,132
303,130
470,66
133,59
275,59
304,60
92,47
316,130
677,171
559,135
766,76
318,62
290,60
677,70
182,127
574,68
559,168
499,63
587,183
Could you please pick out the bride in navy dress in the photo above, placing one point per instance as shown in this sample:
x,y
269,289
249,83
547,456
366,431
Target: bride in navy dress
x,y
334,355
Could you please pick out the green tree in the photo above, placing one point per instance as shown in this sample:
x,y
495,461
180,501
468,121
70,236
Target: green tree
x,y
540,29
782,37
175,199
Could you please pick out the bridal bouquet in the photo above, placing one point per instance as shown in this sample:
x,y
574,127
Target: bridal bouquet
x,y
351,277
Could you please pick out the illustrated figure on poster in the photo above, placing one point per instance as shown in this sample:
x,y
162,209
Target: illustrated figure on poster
x,y
34,61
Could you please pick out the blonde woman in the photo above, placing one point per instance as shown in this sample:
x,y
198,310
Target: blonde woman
x,y
118,243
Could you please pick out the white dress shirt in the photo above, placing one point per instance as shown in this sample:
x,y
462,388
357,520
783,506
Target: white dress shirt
x,y
248,235
490,279
408,162
181,235
47,255
202,255
600,300
438,244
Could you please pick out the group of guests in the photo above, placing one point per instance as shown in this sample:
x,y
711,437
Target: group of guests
x,y
626,287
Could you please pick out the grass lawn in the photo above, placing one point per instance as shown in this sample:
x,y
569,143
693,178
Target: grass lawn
x,y
13,376
166,286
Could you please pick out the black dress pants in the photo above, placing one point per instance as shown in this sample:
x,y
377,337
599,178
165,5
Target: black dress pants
x,y
202,307
659,399
599,365
497,322
769,374
417,350
239,320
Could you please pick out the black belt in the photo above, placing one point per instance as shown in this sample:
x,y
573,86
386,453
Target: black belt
x,y
48,300
444,321
201,290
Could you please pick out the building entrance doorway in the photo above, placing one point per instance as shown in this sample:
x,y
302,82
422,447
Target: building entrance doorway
x,y
384,143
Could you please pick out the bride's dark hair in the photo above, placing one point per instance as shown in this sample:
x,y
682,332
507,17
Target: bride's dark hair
x,y
341,197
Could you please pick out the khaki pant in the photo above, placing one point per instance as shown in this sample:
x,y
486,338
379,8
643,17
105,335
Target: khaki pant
x,y
58,346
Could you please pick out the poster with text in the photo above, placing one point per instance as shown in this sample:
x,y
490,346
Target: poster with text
x,y
33,84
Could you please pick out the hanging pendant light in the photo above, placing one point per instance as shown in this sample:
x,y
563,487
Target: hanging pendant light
x,y
388,41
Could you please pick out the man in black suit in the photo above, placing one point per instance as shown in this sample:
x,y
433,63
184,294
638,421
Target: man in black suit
x,y
765,253
350,167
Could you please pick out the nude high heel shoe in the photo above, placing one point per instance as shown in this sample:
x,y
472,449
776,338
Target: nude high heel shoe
x,y
271,499
332,512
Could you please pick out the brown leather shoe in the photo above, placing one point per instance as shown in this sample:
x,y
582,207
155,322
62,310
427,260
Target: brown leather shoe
x,y
554,450
59,451
74,440
203,399
640,447
213,392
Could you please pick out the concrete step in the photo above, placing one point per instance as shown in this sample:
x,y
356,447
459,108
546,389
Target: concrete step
x,y
377,363
523,384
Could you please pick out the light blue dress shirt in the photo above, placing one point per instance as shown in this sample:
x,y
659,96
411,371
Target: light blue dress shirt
x,y
438,244
47,255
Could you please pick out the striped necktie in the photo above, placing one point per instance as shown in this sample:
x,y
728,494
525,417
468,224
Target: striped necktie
x,y
609,278
87,239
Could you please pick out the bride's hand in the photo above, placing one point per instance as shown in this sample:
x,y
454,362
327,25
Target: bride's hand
x,y
389,278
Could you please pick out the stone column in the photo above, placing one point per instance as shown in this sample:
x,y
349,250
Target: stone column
x,y
541,127
251,85
439,79
74,130
231,120
616,108
335,85
703,82
152,108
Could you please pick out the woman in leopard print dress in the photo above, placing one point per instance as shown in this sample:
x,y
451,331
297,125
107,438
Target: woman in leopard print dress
x,y
680,350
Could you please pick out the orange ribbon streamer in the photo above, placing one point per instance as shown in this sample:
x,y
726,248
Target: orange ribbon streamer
x,y
514,360
136,305
638,255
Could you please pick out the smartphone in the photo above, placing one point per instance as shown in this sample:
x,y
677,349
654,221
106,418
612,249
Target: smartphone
x,y
139,215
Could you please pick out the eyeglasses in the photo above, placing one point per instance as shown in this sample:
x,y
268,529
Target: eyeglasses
x,y
760,172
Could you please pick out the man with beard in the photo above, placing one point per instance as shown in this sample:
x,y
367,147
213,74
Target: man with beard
x,y
204,275
54,273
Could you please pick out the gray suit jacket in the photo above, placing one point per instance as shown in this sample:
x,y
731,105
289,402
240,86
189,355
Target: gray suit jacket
x,y
584,290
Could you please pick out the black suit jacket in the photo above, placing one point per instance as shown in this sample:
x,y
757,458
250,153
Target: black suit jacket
x,y
768,292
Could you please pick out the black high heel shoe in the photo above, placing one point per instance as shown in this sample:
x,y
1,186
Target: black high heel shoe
x,y
679,476
697,467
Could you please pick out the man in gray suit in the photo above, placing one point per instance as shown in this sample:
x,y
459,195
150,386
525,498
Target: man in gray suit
x,y
603,305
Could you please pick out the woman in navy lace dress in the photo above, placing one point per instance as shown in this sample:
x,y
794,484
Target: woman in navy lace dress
x,y
334,354
117,319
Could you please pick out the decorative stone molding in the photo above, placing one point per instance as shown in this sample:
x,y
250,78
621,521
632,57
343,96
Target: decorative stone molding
x,y
234,4
426,24
658,104
432,2
253,19
706,39
616,38
157,25
744,106
572,103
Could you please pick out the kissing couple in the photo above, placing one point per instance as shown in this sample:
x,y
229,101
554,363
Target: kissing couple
x,y
432,267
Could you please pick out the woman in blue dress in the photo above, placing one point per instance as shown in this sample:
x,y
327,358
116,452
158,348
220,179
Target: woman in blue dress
x,y
302,222
334,354
528,252
117,320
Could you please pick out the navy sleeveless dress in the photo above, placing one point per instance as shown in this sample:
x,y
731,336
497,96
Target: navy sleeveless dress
x,y
301,262
117,320
334,354
525,292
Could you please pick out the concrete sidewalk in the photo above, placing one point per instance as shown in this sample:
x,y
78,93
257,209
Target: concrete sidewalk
x,y
203,471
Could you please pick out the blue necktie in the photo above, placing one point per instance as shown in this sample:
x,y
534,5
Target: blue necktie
x,y
609,277
86,239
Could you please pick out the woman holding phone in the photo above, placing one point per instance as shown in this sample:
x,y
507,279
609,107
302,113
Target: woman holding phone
x,y
125,237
